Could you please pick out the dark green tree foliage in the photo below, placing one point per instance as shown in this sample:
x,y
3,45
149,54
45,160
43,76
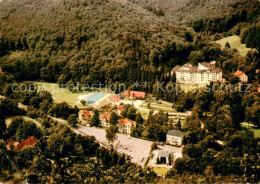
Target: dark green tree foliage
x,y
113,118
95,121
111,133
62,110
19,129
73,120
227,45
243,12
69,49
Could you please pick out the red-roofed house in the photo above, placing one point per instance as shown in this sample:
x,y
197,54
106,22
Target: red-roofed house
x,y
31,141
11,142
125,125
104,118
85,116
258,89
115,100
242,76
120,108
1,71
134,94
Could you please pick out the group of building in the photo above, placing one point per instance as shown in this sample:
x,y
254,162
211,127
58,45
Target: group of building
x,y
124,125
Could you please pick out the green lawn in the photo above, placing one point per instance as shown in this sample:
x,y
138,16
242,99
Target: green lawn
x,y
244,126
62,94
235,43
160,170
145,114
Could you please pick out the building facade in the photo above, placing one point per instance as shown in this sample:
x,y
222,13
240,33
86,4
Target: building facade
x,y
125,125
85,116
242,76
174,138
203,74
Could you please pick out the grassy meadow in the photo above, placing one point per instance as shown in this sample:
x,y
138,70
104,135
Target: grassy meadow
x,y
235,43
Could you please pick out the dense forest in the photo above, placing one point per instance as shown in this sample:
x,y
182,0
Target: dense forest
x,y
187,11
112,41
100,41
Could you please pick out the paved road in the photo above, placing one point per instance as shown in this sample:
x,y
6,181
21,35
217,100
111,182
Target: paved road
x,y
136,148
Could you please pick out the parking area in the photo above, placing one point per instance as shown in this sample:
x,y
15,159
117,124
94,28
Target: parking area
x,y
137,149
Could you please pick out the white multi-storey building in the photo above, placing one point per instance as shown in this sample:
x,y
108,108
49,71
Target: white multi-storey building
x,y
204,73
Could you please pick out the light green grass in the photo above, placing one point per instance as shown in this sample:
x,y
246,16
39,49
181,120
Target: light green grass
x,y
244,126
160,170
235,43
61,94
145,114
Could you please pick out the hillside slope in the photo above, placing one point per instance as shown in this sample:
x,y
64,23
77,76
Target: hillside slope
x,y
89,39
185,11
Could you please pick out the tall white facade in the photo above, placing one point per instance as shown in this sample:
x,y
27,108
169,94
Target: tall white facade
x,y
204,73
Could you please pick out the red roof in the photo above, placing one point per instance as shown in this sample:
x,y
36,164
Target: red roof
x,y
126,120
115,99
86,113
238,73
31,141
257,71
10,141
137,94
258,90
105,116
120,107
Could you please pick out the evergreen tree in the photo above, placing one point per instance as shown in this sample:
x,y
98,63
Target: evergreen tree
x,y
95,121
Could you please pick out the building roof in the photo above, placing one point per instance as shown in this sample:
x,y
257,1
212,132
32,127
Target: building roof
x,y
86,113
163,153
120,107
105,116
126,121
239,73
208,67
175,133
115,99
28,142
138,94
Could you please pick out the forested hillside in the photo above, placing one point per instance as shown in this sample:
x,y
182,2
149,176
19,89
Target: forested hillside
x,y
186,11
244,21
87,41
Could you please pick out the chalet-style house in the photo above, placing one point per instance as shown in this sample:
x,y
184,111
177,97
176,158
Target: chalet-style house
x,y
125,125
115,100
242,76
134,94
104,120
203,74
85,116
174,138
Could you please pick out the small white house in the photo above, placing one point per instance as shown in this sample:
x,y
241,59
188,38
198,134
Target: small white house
x,y
174,137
